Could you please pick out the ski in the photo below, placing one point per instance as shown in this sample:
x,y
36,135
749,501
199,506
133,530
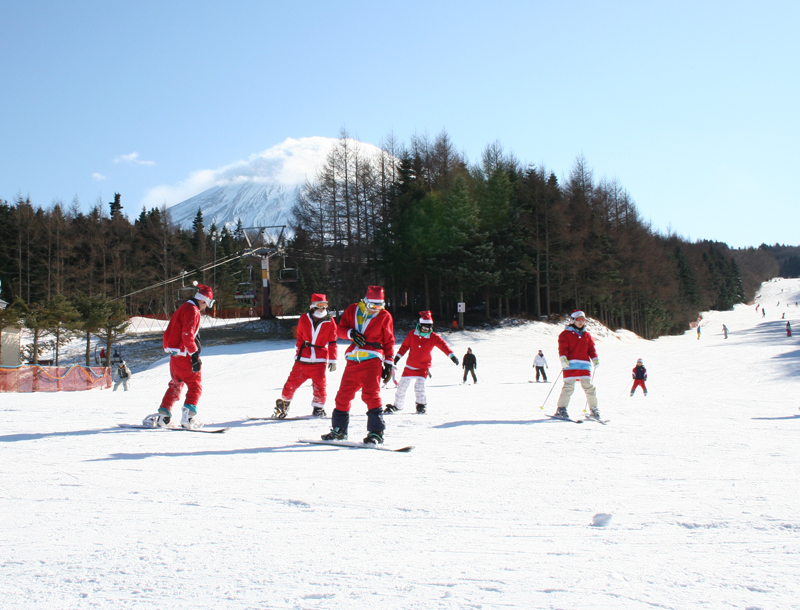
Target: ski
x,y
204,430
599,421
298,418
574,421
355,445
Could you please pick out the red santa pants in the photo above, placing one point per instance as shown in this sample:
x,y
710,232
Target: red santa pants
x,y
301,372
180,370
364,376
638,383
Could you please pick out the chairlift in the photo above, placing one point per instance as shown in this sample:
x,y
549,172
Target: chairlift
x,y
245,291
287,274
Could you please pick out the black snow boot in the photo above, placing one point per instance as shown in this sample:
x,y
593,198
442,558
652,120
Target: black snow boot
x,y
421,408
375,421
390,409
281,409
561,413
336,434
319,412
374,438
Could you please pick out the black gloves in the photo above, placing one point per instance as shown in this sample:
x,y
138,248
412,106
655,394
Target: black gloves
x,y
357,338
196,362
387,371
454,358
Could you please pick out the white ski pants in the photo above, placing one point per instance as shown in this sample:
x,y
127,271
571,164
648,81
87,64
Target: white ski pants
x,y
402,388
569,388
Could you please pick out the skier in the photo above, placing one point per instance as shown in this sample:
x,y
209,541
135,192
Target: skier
x,y
725,331
540,363
788,329
122,374
315,349
698,332
578,354
639,377
469,363
181,343
369,360
419,345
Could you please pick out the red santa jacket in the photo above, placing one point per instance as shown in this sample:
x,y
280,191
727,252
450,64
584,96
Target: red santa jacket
x,y
182,328
420,350
578,346
316,343
377,328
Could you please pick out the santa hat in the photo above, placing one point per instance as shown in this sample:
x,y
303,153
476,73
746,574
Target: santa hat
x,y
374,295
425,317
640,361
318,299
577,314
204,293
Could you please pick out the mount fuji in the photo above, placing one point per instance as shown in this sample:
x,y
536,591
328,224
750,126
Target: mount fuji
x,y
259,191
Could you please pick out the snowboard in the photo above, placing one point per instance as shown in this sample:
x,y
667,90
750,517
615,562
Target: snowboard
x,y
205,430
298,418
355,445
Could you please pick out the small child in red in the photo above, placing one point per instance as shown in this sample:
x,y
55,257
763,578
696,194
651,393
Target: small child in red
x,y
419,345
639,377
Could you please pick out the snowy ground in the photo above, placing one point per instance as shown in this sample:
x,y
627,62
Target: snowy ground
x,y
493,509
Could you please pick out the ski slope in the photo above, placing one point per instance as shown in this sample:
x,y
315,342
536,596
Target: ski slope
x,y
494,508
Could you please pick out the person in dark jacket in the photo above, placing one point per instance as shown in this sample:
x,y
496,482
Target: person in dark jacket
x,y
639,377
469,363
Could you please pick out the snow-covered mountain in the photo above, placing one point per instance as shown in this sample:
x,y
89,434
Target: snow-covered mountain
x,y
260,191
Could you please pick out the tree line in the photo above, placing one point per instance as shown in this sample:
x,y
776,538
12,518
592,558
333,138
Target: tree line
x,y
418,218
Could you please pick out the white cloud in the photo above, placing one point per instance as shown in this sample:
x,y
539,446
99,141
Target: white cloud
x,y
98,177
288,164
132,159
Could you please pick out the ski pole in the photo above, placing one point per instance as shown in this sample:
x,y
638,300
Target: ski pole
x,y
551,390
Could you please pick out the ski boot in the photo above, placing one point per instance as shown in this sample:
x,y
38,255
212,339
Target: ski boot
x,y
158,420
594,413
373,438
420,408
189,418
390,409
561,413
318,412
336,434
281,409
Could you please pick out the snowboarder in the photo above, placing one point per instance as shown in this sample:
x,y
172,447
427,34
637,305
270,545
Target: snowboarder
x,y
370,328
419,345
540,363
314,351
122,374
788,329
469,363
181,343
639,377
578,354
725,331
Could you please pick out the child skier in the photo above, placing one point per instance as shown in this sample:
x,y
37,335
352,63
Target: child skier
x,y
577,353
181,343
369,360
639,377
419,345
315,349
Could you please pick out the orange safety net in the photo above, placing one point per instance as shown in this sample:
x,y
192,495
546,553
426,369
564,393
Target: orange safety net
x,y
53,378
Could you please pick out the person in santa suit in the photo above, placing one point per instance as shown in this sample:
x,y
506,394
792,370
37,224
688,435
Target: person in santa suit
x,y
370,329
315,351
181,343
578,355
419,345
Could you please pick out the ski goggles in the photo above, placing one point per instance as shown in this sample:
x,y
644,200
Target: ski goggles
x,y
425,328
374,306
320,305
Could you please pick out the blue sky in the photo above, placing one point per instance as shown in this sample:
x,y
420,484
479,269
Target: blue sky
x,y
691,106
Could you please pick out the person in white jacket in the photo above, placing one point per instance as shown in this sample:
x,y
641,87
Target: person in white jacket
x,y
540,364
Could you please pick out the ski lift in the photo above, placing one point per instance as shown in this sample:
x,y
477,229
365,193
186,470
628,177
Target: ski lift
x,y
245,291
287,274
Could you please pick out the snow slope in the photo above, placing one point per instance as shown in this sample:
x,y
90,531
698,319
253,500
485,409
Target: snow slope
x,y
493,509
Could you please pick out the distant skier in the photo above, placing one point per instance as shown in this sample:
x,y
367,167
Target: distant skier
x,y
788,329
370,328
181,343
578,355
314,351
540,363
725,331
639,377
763,313
122,374
419,344
698,332
469,363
